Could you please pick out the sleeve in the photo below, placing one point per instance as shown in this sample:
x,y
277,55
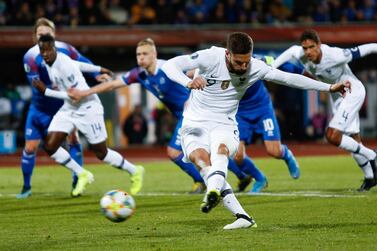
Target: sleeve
x,y
85,67
75,55
131,76
30,67
175,68
287,55
295,80
56,94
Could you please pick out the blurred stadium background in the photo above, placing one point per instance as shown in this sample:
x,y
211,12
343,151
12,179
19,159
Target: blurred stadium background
x,y
106,31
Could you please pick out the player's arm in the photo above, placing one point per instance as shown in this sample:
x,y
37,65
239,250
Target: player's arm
x,y
175,69
40,86
362,50
286,56
77,95
302,82
74,54
85,67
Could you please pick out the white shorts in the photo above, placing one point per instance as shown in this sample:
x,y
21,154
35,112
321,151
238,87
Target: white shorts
x,y
208,135
346,110
91,124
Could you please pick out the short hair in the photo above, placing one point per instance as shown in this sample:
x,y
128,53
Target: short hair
x,y
239,43
43,22
146,41
46,39
311,35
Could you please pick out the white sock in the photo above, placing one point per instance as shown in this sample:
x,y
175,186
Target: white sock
x,y
116,160
204,173
62,157
351,145
364,164
218,172
231,203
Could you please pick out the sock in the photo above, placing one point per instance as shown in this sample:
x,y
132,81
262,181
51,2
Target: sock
x,y
284,152
218,172
189,168
231,203
364,164
204,173
75,150
27,166
116,160
232,166
351,145
62,157
249,167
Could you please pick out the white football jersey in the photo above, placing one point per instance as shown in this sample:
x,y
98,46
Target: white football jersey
x,y
219,100
65,73
332,68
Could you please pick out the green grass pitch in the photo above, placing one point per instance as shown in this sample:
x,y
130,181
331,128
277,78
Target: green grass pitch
x,y
320,211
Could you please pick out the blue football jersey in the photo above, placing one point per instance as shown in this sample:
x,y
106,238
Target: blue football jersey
x,y
35,69
170,93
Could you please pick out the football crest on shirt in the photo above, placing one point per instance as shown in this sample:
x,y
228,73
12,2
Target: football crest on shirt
x,y
225,84
27,68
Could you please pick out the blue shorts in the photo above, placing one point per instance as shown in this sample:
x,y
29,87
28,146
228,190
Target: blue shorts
x,y
175,141
263,123
37,123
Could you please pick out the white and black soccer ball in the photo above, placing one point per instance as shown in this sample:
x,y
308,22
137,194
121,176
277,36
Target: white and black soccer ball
x,y
117,205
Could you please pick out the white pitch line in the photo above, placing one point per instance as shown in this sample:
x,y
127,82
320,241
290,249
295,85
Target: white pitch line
x,y
314,194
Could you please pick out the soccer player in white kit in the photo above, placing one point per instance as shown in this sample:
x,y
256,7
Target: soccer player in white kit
x,y
86,116
209,132
330,65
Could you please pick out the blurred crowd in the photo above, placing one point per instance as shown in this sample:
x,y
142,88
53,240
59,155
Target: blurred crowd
x,y
116,12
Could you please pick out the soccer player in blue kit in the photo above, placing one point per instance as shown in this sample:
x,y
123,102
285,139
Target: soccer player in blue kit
x,y
256,115
43,108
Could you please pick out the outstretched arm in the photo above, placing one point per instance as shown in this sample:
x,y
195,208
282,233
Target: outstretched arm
x,y
363,50
77,95
302,82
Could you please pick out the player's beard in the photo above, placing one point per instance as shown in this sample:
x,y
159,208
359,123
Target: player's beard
x,y
234,71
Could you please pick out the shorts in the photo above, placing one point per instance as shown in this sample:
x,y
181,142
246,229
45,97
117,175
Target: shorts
x,y
175,141
37,123
346,110
208,135
264,124
91,124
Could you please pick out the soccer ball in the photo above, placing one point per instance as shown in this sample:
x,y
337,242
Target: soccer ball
x,y
117,205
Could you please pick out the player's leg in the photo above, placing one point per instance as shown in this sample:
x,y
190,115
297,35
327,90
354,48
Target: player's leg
x,y
62,124
174,151
75,150
95,132
27,167
230,202
116,160
35,130
365,165
248,166
268,126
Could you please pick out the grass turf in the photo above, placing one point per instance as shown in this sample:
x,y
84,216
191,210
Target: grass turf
x,y
320,211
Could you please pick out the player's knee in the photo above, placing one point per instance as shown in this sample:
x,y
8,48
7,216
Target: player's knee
x,y
200,158
223,149
100,153
238,158
172,153
333,136
29,149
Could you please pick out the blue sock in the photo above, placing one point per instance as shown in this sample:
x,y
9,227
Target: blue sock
x,y
75,150
27,165
249,167
188,168
232,166
285,152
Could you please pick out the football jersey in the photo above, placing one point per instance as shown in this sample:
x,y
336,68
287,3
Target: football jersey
x,y
168,92
65,73
35,70
219,100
